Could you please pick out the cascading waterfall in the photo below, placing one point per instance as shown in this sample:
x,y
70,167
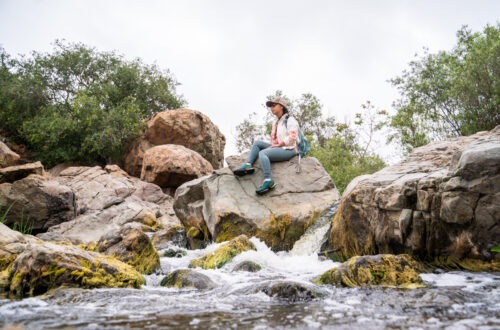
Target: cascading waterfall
x,y
316,235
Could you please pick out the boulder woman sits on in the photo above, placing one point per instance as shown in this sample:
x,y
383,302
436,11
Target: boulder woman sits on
x,y
283,146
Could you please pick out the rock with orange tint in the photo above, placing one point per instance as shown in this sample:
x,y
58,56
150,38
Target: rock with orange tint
x,y
171,165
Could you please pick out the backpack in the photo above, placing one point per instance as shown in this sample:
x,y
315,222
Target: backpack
x,y
303,147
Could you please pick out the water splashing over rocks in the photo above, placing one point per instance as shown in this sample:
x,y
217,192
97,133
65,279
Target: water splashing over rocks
x,y
280,295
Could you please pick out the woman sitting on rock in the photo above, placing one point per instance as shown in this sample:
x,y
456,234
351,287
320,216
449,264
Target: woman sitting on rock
x,y
283,145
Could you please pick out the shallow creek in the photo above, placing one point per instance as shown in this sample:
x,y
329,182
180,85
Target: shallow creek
x,y
452,300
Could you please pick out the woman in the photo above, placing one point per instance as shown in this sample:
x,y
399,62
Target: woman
x,y
283,145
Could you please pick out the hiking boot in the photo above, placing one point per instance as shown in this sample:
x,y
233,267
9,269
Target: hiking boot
x,y
244,170
266,187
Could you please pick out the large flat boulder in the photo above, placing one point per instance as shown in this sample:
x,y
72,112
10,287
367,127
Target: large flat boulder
x,y
222,206
17,172
441,204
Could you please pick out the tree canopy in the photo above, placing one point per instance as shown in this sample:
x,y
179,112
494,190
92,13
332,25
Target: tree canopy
x,y
79,104
450,93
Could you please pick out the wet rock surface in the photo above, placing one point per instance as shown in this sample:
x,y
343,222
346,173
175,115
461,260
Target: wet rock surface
x,y
224,254
399,271
188,278
247,266
290,291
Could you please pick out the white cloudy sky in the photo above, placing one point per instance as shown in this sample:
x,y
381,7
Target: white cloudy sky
x,y
230,54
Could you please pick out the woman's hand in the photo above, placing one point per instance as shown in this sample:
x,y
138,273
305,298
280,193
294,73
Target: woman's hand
x,y
281,144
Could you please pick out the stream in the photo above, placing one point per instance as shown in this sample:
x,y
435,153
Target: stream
x,y
452,300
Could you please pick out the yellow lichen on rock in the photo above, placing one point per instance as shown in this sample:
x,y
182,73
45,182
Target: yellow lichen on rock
x,y
379,270
224,254
473,265
96,274
44,267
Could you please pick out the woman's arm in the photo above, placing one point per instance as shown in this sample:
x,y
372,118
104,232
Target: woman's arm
x,y
292,131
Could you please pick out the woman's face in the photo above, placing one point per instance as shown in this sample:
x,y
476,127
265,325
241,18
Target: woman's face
x,y
277,109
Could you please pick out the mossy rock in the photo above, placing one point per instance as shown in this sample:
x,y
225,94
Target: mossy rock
x,y
386,270
473,265
46,266
224,254
197,238
187,278
282,233
4,280
175,235
247,266
132,246
174,253
5,262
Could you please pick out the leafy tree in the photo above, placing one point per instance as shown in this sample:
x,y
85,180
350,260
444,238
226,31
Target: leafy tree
x,y
450,93
347,153
78,104
248,131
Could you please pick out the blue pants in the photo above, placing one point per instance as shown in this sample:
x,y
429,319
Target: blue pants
x,y
267,155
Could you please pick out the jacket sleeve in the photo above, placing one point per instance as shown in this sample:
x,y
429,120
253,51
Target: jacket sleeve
x,y
292,132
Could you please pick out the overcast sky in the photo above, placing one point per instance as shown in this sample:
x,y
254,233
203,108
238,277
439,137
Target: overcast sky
x,y
230,54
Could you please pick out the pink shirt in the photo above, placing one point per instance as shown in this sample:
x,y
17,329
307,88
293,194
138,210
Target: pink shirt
x,y
287,134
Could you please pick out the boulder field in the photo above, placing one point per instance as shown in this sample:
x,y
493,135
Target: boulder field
x,y
102,227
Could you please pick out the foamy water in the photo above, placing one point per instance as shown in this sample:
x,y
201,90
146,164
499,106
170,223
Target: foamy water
x,y
453,300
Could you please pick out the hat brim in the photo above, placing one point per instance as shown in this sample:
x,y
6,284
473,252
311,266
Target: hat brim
x,y
270,103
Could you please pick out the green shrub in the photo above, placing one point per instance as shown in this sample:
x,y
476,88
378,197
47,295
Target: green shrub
x,y
78,104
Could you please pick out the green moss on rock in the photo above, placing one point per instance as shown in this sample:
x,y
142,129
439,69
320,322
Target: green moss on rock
x,y
5,262
38,271
473,265
106,272
399,271
4,280
224,254
187,278
147,260
198,238
345,234
133,247
281,234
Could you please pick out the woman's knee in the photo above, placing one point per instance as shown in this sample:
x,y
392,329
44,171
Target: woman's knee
x,y
263,153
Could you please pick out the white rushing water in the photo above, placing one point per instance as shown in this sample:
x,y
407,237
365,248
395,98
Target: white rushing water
x,y
452,300
310,243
